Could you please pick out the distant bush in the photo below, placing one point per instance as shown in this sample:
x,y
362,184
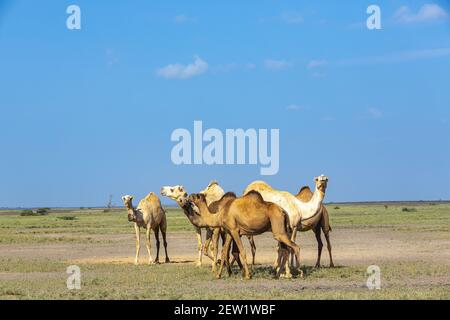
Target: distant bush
x,y
42,211
409,210
336,208
31,213
386,207
27,213
67,218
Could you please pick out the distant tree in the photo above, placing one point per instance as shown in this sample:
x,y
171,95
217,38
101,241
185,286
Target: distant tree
x,y
109,205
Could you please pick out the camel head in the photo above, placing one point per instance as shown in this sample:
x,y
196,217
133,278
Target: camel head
x,y
127,201
321,183
177,193
196,200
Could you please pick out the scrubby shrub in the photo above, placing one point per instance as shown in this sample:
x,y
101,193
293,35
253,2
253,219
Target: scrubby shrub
x,y
67,218
27,213
38,212
336,208
42,211
409,210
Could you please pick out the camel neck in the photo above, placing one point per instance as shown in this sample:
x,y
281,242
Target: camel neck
x,y
314,204
209,219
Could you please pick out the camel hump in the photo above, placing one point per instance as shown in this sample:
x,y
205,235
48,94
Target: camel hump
x,y
257,185
212,183
304,194
255,194
229,195
151,195
214,206
152,198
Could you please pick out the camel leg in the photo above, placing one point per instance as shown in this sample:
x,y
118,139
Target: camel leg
x,y
156,231
327,237
293,238
237,239
281,235
276,264
251,240
225,250
285,239
209,236
199,245
149,245
163,228
215,240
138,243
282,257
235,253
319,245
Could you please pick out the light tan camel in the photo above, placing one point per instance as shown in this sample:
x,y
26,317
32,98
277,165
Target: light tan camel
x,y
213,192
150,215
305,195
298,211
248,215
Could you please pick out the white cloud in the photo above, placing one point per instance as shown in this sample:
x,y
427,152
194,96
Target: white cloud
x,y
276,64
375,113
428,12
287,17
111,58
404,56
316,63
182,18
295,107
291,17
181,72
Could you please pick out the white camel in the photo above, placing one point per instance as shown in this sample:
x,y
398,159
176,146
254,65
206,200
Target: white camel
x,y
299,212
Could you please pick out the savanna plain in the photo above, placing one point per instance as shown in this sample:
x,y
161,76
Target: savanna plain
x,y
410,242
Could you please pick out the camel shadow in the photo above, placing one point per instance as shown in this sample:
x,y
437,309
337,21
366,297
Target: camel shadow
x,y
181,262
264,271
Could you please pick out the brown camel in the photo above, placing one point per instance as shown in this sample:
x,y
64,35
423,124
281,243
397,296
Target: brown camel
x,y
150,215
249,215
305,194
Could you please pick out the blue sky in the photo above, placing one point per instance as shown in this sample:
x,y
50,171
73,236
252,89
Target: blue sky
x,y
87,113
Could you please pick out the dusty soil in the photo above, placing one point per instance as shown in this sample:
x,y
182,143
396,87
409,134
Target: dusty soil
x,y
350,247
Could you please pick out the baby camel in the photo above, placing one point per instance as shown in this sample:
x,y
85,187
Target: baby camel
x,y
150,215
249,215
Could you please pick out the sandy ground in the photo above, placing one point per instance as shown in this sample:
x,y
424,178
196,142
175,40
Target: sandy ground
x,y
350,247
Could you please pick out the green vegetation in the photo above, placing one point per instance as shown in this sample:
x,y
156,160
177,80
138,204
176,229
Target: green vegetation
x,y
178,281
33,277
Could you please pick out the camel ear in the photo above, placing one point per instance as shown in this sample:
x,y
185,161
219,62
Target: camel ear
x,y
131,197
123,198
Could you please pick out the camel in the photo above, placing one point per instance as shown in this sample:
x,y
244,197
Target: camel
x,y
150,215
213,192
299,212
305,195
248,215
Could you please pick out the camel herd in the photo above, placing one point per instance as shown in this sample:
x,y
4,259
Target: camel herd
x,y
228,217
